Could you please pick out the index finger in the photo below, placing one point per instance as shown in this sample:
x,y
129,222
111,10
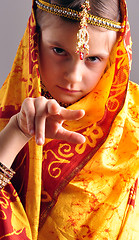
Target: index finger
x,y
69,115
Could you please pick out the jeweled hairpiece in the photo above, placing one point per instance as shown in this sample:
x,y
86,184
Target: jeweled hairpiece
x,y
84,17
72,14
83,35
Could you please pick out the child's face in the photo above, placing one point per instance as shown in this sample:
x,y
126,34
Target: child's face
x,y
65,76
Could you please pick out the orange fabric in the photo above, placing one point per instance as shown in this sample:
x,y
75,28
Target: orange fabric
x,y
87,185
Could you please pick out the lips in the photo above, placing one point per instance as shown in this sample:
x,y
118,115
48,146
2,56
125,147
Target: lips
x,y
68,90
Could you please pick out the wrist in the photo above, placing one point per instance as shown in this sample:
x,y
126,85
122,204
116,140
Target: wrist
x,y
14,121
12,140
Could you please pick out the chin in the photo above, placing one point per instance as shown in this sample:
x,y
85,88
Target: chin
x,y
69,101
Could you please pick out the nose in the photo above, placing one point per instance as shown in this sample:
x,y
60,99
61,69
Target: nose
x,y
74,72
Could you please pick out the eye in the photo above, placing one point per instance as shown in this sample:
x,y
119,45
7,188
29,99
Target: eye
x,y
93,59
59,51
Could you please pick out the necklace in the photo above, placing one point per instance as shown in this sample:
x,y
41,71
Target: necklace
x,y
46,94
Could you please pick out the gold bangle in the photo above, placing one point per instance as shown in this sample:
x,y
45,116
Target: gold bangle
x,y
5,175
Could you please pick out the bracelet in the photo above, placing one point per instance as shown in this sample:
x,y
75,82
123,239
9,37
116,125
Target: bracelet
x,y
5,175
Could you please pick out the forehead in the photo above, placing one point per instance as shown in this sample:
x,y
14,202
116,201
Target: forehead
x,y
56,29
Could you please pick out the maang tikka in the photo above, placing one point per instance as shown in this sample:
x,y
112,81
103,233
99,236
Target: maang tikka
x,y
83,34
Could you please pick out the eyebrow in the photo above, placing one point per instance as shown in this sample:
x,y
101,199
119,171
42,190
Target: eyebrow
x,y
55,43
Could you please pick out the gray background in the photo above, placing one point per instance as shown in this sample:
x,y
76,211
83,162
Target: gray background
x,y
13,19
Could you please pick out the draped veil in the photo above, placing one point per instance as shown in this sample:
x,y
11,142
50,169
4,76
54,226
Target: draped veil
x,y
78,191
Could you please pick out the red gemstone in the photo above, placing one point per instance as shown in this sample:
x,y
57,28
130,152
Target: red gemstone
x,y
81,56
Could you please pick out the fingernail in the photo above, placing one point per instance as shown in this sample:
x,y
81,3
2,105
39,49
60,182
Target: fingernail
x,y
39,141
84,139
31,132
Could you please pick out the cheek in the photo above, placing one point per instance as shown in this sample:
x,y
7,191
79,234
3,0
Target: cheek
x,y
50,71
48,64
91,83
92,79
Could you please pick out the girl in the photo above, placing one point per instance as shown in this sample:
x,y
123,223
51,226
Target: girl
x,y
77,179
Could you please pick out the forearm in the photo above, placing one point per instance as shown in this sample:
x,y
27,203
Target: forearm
x,y
12,141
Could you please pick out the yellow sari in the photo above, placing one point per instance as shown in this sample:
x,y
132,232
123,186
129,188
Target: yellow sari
x,y
75,192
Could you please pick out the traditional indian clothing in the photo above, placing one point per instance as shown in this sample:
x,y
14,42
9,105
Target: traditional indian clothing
x,y
67,191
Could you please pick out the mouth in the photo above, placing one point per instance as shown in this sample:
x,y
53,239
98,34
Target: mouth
x,y
68,90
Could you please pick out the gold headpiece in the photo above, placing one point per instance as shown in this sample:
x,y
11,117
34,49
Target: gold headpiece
x,y
84,17
83,35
